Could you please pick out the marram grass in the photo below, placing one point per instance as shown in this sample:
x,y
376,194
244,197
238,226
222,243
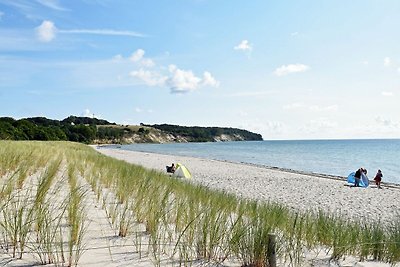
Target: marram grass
x,y
180,220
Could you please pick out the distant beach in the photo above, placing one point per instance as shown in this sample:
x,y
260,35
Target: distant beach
x,y
298,191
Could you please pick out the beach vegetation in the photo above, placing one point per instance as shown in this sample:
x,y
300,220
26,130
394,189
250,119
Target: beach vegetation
x,y
43,213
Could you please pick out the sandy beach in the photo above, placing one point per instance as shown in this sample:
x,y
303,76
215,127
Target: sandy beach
x,y
298,191
102,245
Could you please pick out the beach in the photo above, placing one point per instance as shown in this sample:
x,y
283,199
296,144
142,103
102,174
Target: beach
x,y
102,211
299,191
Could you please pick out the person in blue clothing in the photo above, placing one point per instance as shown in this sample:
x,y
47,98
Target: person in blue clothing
x,y
364,177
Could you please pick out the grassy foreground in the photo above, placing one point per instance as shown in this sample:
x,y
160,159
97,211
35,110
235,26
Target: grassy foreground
x,y
42,203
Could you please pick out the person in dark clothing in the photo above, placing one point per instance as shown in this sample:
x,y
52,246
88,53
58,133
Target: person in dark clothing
x,y
171,169
378,179
357,177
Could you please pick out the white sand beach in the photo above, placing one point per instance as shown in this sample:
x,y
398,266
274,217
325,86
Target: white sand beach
x,y
103,247
298,191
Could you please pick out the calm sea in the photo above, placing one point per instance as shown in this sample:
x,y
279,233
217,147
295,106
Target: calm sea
x,y
334,157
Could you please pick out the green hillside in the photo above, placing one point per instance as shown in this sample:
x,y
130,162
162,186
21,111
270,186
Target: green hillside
x,y
92,130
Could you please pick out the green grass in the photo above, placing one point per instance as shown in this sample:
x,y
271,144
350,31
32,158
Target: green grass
x,y
180,220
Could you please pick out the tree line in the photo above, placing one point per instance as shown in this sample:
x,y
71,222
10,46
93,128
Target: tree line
x,y
76,129
87,130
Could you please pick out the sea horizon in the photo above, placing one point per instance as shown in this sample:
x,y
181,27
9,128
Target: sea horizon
x,y
323,139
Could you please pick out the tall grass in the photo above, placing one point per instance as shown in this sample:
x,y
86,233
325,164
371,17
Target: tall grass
x,y
231,231
182,220
16,221
33,212
77,219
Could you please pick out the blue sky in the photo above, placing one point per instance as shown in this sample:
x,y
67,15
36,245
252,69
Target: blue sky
x,y
285,69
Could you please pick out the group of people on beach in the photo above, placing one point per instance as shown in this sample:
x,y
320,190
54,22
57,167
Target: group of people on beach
x,y
361,174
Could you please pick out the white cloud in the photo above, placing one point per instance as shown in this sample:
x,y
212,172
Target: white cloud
x,y
387,62
318,126
147,62
87,113
244,46
53,4
324,108
275,127
315,108
137,55
178,80
46,32
387,122
138,110
150,78
104,32
1,15
251,94
209,80
294,34
294,106
267,128
117,57
291,68
365,62
182,81
385,93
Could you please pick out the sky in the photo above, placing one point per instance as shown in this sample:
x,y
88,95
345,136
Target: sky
x,y
285,69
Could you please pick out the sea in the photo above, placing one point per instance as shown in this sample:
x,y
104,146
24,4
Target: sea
x,y
331,157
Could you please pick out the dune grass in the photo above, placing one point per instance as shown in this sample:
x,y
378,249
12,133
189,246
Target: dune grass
x,y
180,220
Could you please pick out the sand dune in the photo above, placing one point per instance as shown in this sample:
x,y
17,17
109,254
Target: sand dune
x,y
298,191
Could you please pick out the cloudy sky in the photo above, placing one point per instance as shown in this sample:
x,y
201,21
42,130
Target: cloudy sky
x,y
285,69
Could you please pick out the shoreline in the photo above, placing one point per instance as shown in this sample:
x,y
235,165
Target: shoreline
x,y
296,190
293,171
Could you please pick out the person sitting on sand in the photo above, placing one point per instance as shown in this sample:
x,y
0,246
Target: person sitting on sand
x,y
357,177
378,179
171,169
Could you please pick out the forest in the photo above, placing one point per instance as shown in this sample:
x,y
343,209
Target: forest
x,y
77,129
